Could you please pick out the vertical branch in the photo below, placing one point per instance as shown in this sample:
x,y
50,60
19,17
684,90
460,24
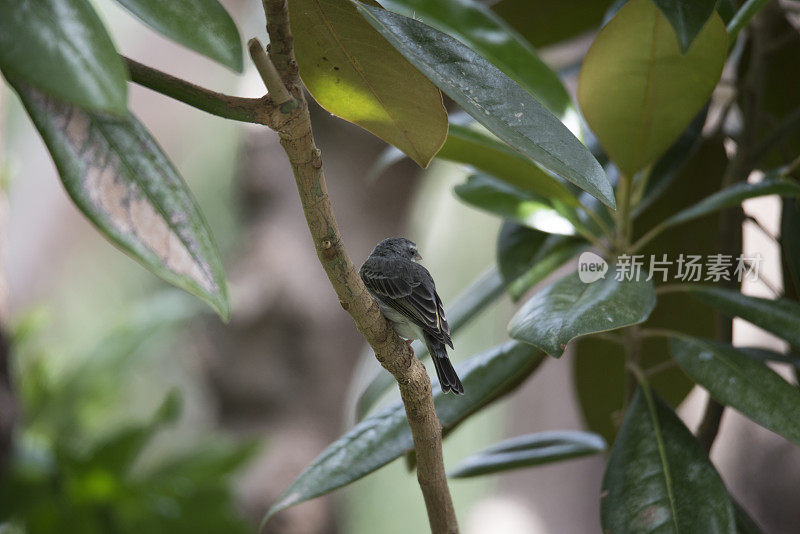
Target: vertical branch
x,y
293,125
7,398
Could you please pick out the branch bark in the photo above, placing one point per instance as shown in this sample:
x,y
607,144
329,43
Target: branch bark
x,y
297,138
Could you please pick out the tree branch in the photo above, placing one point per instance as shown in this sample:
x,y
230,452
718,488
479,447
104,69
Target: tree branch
x,y
230,107
297,139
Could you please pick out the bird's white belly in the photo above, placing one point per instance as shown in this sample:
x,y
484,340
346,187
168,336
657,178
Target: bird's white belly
x,y
404,328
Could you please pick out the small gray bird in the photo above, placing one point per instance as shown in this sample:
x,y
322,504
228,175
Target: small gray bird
x,y
407,296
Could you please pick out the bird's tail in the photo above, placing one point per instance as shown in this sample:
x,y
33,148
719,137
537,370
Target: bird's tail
x,y
448,378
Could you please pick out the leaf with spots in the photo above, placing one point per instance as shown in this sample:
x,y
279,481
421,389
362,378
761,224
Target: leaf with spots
x,y
122,181
745,384
659,479
357,75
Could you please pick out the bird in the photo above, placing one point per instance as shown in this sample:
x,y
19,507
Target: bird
x,y
406,295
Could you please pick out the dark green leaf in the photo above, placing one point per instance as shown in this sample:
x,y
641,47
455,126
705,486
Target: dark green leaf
x,y
780,317
544,22
475,298
121,180
602,401
499,198
670,165
61,47
637,121
476,85
790,243
487,154
734,196
385,436
687,17
355,74
737,380
766,355
569,308
202,25
743,16
659,479
530,450
526,256
478,27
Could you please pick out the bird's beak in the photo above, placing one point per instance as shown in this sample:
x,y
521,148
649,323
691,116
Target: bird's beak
x,y
417,257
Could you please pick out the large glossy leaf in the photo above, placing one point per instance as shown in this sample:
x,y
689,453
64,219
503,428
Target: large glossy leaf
x,y
602,399
569,308
487,154
385,436
637,91
480,293
499,198
734,196
494,100
478,27
62,48
544,22
780,316
687,17
354,73
121,180
202,25
530,450
526,256
659,479
735,379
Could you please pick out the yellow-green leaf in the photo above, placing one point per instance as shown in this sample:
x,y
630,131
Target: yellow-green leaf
x,y
354,73
637,91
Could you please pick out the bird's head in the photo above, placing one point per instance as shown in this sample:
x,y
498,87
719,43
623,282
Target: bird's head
x,y
397,245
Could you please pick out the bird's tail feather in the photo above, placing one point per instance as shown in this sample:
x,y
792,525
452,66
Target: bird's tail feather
x,y
448,378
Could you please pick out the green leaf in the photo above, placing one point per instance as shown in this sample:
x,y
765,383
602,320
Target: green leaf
x,y
544,22
735,379
659,479
385,435
569,308
485,153
355,74
494,100
61,47
526,256
733,196
636,121
780,316
530,450
201,25
482,292
687,17
122,181
790,243
499,198
743,16
486,33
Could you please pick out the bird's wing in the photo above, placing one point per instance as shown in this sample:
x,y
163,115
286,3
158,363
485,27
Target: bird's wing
x,y
410,290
